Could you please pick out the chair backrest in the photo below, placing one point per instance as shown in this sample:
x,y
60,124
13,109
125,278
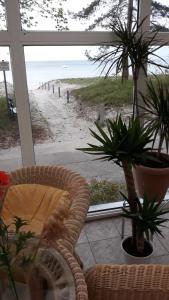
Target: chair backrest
x,y
62,178
128,282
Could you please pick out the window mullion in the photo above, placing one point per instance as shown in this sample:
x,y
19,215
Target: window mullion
x,y
20,82
144,13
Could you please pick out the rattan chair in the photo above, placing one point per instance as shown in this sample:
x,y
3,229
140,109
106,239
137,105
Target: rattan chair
x,y
57,272
128,282
60,177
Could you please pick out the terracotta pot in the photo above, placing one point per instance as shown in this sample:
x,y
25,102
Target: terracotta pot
x,y
152,182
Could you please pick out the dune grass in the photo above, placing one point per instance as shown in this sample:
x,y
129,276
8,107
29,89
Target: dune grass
x,y
82,81
9,129
108,91
104,191
6,123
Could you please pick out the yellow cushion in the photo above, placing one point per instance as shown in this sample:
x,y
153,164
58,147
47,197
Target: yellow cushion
x,y
35,203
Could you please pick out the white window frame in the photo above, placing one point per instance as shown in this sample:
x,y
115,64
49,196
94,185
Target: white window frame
x,y
16,39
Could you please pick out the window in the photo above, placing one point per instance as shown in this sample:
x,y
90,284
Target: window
x,y
79,36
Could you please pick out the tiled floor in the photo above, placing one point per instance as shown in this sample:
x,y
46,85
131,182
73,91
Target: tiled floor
x,y
100,241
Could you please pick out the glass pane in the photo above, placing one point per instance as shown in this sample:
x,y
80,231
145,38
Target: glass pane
x,y
10,152
62,15
160,15
2,16
162,59
67,95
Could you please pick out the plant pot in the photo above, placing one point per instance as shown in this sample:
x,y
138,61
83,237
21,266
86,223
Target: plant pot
x,y
152,182
132,259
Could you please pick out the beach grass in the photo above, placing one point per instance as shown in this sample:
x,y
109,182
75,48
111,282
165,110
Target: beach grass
x,y
6,123
81,81
9,129
109,91
104,191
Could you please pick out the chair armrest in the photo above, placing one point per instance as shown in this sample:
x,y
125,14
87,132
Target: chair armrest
x,y
126,282
58,272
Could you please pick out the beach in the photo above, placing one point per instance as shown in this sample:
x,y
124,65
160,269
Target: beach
x,y
67,121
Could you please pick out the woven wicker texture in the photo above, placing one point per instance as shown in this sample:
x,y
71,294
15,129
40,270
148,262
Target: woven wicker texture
x,y
128,282
65,279
60,177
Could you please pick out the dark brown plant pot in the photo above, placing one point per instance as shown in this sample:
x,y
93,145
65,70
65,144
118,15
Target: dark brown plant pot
x,y
152,182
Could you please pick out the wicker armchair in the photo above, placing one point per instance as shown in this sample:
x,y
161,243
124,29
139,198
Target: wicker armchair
x,y
60,177
128,282
57,272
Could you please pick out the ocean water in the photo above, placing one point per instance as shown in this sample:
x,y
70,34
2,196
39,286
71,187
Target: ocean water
x,y
39,72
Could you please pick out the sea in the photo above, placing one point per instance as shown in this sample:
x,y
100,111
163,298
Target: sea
x,y
39,72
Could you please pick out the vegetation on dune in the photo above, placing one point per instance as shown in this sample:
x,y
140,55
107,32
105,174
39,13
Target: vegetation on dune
x,y
9,130
104,191
83,81
108,91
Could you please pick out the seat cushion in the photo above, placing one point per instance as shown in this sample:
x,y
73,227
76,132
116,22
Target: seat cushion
x,y
34,203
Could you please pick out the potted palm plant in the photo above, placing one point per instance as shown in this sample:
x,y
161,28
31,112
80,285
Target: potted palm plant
x,y
133,48
125,145
152,174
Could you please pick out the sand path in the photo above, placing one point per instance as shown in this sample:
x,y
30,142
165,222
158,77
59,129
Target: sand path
x,y
65,124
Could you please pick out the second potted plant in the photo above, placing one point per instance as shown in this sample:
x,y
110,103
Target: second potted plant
x,y
152,174
125,145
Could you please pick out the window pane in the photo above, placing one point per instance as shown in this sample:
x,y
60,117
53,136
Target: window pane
x,y
2,16
162,59
62,15
10,152
160,15
66,97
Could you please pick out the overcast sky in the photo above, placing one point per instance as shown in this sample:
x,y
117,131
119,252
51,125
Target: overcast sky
x,y
57,52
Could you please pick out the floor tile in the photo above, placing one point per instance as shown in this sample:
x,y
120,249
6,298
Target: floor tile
x,y
165,240
82,237
85,254
108,251
102,229
127,226
164,259
158,247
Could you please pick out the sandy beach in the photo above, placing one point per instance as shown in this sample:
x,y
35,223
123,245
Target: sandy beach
x,y
69,121
62,116
66,121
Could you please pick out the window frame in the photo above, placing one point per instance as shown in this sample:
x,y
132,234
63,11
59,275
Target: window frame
x,y
15,38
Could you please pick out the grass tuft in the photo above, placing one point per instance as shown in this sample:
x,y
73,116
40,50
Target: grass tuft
x,y
9,129
108,91
103,191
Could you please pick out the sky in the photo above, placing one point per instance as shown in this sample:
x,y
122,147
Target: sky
x,y
58,52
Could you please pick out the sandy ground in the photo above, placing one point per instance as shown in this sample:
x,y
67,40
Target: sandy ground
x,y
67,121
